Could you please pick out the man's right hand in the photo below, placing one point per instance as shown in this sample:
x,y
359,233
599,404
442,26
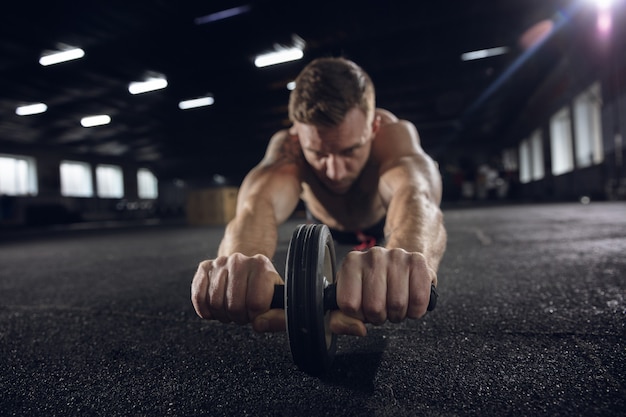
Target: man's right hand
x,y
238,288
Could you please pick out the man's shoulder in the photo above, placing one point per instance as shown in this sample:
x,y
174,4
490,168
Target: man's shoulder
x,y
394,127
395,138
386,117
283,147
281,137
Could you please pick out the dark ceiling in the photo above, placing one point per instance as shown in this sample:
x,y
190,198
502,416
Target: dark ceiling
x,y
410,48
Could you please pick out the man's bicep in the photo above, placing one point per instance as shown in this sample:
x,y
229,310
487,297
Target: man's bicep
x,y
274,184
415,173
285,189
270,188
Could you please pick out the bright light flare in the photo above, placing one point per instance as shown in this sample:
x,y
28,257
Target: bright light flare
x,y
605,21
603,4
536,33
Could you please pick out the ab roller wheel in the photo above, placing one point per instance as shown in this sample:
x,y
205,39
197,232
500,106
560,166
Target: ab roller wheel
x,y
308,296
309,271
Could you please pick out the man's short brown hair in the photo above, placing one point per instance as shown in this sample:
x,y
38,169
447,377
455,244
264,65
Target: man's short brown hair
x,y
327,88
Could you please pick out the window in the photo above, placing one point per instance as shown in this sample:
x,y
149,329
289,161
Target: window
x,y
531,158
588,127
525,162
110,181
18,175
536,152
147,184
509,160
561,142
76,179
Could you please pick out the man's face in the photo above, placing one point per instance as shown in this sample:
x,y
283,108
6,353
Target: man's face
x,y
338,154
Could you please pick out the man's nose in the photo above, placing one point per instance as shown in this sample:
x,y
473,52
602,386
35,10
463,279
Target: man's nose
x,y
335,168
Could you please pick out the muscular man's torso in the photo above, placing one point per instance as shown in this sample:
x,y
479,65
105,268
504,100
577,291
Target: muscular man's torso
x,y
357,209
360,207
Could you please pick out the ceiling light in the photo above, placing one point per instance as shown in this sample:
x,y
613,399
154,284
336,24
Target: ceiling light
x,y
282,54
196,102
278,57
602,4
98,120
29,109
62,56
224,14
151,84
484,53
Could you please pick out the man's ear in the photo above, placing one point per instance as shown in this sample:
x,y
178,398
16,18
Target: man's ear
x,y
375,124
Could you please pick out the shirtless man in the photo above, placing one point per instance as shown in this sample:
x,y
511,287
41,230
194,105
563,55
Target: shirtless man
x,y
354,166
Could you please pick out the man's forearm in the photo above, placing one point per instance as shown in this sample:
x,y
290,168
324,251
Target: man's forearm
x,y
415,224
250,234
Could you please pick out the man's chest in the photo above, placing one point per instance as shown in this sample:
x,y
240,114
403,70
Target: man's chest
x,y
360,207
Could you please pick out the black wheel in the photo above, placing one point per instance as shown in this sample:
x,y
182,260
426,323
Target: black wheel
x,y
309,270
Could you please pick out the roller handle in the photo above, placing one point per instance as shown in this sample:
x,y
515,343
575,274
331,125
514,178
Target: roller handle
x,y
330,297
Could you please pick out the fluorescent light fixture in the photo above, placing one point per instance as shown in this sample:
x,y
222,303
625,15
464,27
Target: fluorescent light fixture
x,y
29,109
291,85
62,56
224,14
98,120
281,53
484,53
151,84
278,57
196,102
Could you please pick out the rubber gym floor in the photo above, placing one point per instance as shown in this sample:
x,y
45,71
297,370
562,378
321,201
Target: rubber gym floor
x,y
530,322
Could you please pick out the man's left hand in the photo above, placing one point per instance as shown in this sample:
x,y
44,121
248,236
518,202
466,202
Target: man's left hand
x,y
379,285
